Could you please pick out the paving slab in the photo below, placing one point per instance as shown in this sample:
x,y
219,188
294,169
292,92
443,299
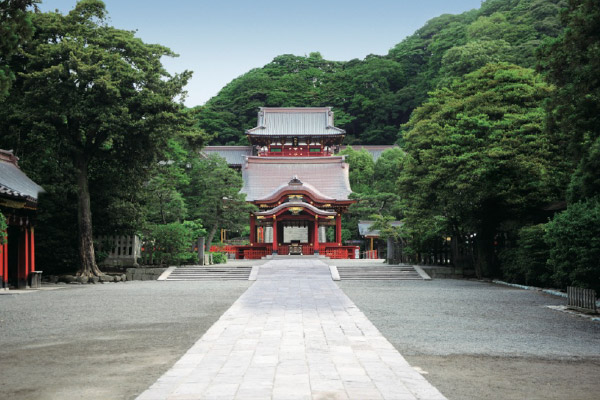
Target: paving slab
x,y
292,335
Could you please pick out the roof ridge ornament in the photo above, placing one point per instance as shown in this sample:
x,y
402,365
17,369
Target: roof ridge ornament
x,y
296,181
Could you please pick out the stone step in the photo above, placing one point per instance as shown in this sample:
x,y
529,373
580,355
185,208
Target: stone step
x,y
378,273
210,273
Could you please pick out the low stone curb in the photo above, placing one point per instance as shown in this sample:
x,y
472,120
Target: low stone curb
x,y
422,273
165,275
335,274
573,312
552,292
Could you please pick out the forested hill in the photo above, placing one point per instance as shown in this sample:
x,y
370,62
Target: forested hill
x,y
373,97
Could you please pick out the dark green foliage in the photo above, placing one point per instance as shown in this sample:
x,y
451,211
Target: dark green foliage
x,y
212,196
526,263
172,243
574,240
219,258
3,227
15,28
572,62
361,169
477,156
90,111
374,96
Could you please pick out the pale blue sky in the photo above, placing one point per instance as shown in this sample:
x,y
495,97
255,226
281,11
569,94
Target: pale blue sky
x,y
221,40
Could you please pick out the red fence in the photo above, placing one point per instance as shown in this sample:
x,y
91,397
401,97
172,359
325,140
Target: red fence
x,y
371,254
331,250
223,249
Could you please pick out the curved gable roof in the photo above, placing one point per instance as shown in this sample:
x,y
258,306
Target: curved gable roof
x,y
264,177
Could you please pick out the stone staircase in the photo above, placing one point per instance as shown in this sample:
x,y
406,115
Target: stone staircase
x,y
210,273
381,272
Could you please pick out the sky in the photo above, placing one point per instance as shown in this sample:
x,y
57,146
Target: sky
x,y
220,40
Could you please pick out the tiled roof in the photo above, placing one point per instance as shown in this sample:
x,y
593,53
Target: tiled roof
x,y
234,155
295,122
364,228
375,150
303,187
263,176
13,182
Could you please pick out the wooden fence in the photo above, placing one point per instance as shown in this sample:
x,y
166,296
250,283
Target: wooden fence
x,y
581,299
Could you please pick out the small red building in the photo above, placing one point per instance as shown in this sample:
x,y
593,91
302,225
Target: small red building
x,y
18,204
300,187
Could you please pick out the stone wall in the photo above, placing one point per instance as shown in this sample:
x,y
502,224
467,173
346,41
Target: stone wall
x,y
144,274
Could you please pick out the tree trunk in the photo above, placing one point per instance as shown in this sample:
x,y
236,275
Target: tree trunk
x,y
485,252
210,237
87,257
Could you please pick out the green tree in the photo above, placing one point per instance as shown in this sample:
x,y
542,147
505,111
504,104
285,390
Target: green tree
x,y
574,240
526,263
477,156
15,28
571,62
361,169
213,196
91,92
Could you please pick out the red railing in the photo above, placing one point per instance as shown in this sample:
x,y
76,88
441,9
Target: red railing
x,y
371,254
223,249
255,254
331,250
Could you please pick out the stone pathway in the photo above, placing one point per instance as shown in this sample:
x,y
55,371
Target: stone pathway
x,y
292,335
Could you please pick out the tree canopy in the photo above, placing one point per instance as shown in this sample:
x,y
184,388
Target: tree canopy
x,y
373,97
477,155
87,93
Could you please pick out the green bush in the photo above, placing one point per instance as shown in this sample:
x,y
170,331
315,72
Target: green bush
x,y
574,240
172,243
219,258
3,227
527,262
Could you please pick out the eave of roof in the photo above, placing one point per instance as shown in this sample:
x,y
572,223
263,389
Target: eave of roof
x,y
283,207
14,184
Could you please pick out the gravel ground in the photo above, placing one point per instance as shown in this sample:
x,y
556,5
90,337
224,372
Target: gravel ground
x,y
108,341
473,340
481,341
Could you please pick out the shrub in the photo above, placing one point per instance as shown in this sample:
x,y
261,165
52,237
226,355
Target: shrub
x,y
219,258
574,240
527,262
3,227
172,243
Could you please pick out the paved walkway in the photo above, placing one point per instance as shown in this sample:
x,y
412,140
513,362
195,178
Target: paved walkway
x,y
292,335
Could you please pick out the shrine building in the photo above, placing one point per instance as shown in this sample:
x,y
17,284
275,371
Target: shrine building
x,y
298,183
18,204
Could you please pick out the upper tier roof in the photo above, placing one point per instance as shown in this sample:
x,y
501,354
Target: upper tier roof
x,y
13,182
263,176
234,155
312,121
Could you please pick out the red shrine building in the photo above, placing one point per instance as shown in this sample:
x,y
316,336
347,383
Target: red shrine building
x,y
299,185
18,204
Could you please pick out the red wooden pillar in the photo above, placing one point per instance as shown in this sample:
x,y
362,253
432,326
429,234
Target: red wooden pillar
x,y
23,266
316,235
338,229
31,250
252,229
3,266
275,234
